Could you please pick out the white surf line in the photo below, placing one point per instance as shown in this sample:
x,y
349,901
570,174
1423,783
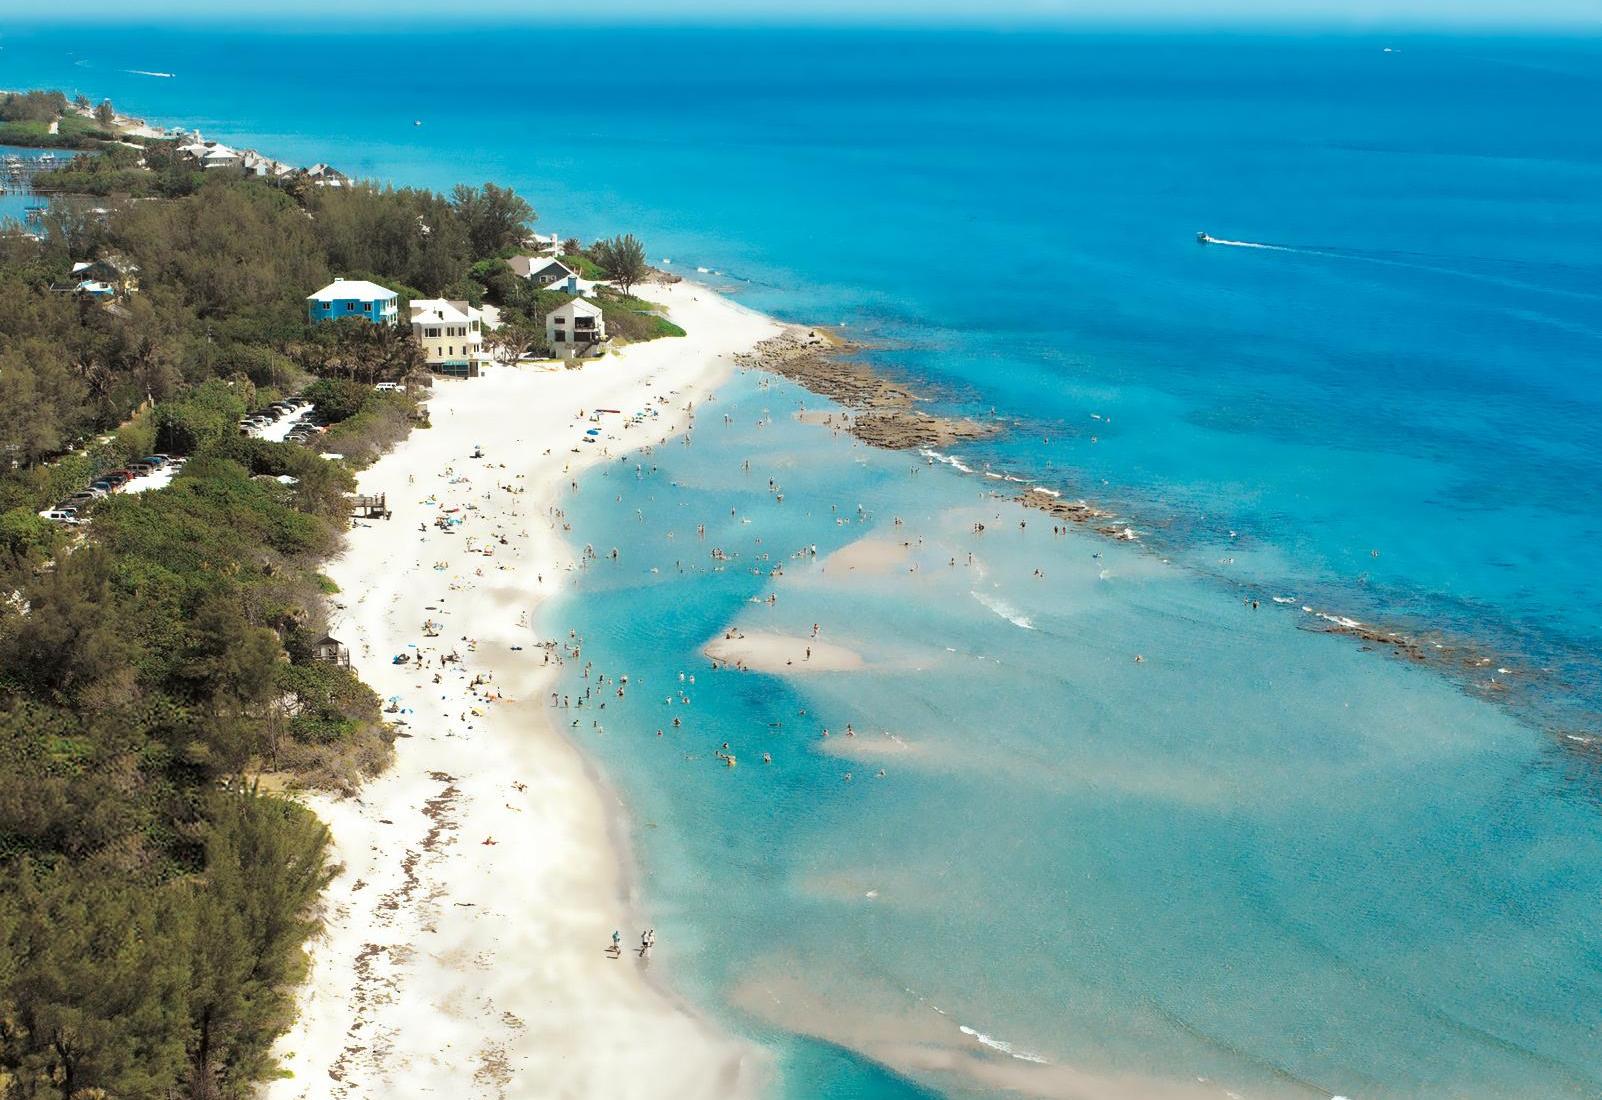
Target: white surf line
x,y
1003,1046
998,606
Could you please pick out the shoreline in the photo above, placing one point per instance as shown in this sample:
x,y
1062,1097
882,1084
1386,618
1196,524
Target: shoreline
x,y
484,871
882,411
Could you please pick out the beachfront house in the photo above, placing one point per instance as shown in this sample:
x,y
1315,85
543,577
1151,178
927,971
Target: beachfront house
x,y
262,167
450,334
353,298
544,272
220,156
324,176
210,154
575,329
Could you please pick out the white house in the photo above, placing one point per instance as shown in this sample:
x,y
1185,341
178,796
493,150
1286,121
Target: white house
x,y
545,244
210,154
353,298
451,335
575,329
324,176
220,156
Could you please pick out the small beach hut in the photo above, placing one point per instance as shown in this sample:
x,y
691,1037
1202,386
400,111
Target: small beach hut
x,y
331,650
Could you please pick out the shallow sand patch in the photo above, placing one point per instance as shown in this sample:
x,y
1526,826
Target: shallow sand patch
x,y
868,746
919,1039
867,557
782,654
828,418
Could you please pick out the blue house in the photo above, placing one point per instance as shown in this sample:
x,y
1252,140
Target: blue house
x,y
353,298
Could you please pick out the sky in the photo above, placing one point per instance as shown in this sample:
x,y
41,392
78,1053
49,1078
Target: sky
x,y
1531,14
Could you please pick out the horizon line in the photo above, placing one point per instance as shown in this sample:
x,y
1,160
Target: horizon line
x,y
825,18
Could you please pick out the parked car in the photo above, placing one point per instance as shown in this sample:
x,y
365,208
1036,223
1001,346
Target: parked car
x,y
63,515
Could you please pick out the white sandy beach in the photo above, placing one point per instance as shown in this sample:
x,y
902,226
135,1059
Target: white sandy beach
x,y
482,875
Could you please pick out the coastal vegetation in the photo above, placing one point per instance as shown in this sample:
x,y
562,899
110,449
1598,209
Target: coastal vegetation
x,y
47,119
159,665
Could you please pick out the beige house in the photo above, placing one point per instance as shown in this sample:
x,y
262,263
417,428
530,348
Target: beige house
x,y
450,334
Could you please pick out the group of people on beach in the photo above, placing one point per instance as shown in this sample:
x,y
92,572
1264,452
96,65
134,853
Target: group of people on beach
x,y
647,941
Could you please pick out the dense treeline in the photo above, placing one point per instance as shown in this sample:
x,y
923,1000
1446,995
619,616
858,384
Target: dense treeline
x,y
153,902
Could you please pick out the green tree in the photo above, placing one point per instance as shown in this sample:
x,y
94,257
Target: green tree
x,y
265,866
496,218
337,399
105,113
623,260
514,339
98,995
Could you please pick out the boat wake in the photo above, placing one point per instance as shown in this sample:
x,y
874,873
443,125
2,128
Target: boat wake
x,y
1256,244
147,72
1419,261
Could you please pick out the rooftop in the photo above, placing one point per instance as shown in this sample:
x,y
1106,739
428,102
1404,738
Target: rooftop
x,y
578,307
531,265
359,289
442,311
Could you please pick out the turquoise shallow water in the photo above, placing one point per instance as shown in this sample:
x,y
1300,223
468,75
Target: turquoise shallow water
x,y
1259,855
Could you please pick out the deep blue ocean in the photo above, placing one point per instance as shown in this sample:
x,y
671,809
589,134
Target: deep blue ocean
x,y
1262,855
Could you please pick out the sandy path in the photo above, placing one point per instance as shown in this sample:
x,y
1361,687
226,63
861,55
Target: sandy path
x,y
463,953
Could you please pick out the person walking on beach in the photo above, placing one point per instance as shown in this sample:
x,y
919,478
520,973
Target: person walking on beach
x,y
617,943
